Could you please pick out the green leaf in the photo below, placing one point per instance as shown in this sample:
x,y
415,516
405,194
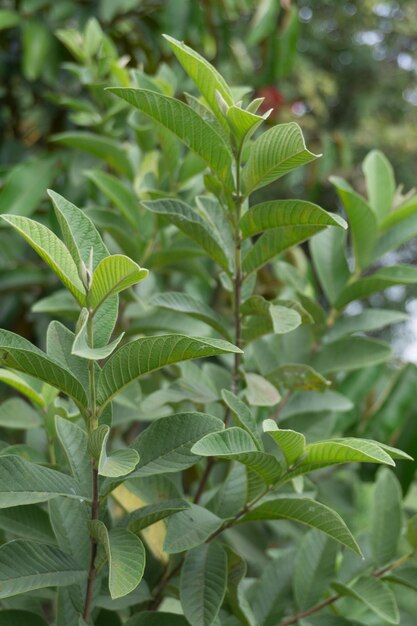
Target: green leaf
x,y
19,354
186,124
17,617
378,281
148,618
275,241
397,235
148,515
51,250
316,402
375,595
235,444
27,522
112,275
194,226
183,303
372,319
165,446
59,341
314,568
205,76
346,450
59,304
243,416
230,497
279,213
8,19
19,199
74,442
70,518
362,222
406,576
81,347
22,482
307,512
104,148
203,583
276,152
24,385
290,442
149,354
412,531
386,523
81,236
190,528
328,251
259,391
117,463
380,183
25,566
243,123
122,196
351,353
17,414
298,377
126,557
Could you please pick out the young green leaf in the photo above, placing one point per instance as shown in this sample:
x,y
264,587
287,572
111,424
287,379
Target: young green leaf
x,y
149,354
184,122
205,76
117,463
112,275
51,250
276,152
25,566
126,557
81,347
345,450
259,391
307,512
194,226
235,444
203,583
380,183
243,415
23,384
279,213
290,442
19,354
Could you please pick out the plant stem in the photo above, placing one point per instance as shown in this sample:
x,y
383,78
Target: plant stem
x,y
95,503
237,296
321,605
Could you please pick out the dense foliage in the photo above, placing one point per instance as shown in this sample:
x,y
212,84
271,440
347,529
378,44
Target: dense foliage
x,y
140,485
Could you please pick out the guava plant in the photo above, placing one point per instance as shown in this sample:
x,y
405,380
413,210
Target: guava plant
x,y
173,527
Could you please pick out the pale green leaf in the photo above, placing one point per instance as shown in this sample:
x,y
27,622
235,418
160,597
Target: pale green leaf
x,y
307,512
259,391
23,385
375,595
314,568
59,340
194,226
22,482
351,353
184,122
59,304
290,442
235,444
117,463
19,199
183,303
122,196
279,213
190,528
8,19
230,497
276,152
81,347
51,250
243,123
275,241
243,415
284,319
362,223
397,235
18,414
378,281
372,319
19,354
149,354
104,148
316,402
126,557
152,513
25,566
328,251
165,446
112,275
205,76
27,522
380,183
203,583
69,518
386,524
346,450
298,377
74,442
